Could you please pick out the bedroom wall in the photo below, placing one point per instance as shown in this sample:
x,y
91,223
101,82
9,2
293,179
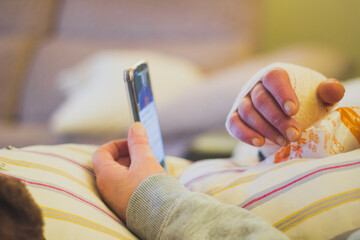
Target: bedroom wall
x,y
334,23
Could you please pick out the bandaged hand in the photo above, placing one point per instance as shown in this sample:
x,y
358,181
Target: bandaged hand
x,y
121,165
268,109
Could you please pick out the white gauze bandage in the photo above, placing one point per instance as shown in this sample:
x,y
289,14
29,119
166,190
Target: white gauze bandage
x,y
305,82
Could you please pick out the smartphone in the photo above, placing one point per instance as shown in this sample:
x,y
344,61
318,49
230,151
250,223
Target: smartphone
x,y
143,108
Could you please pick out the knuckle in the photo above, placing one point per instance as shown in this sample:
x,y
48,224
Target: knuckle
x,y
140,141
281,123
274,81
101,183
269,132
259,98
236,128
277,120
240,134
99,153
147,154
279,91
245,108
234,117
274,75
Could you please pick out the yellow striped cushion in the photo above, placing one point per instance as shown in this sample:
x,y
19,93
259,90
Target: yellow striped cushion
x,y
304,198
61,180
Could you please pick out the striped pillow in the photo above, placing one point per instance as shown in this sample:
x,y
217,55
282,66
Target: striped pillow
x,y
62,182
304,198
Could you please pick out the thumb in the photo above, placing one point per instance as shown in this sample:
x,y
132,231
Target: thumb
x,y
138,143
330,91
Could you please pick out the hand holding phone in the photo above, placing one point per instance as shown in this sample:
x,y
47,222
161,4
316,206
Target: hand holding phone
x,y
143,106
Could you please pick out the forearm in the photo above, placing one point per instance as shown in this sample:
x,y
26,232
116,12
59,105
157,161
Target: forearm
x,y
161,208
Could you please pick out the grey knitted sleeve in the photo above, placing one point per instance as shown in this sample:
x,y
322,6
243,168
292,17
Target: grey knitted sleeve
x,y
161,208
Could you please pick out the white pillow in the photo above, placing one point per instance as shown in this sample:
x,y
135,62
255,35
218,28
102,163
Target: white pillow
x,y
96,99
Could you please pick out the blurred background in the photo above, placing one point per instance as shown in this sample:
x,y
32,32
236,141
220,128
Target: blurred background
x,y
59,60
333,24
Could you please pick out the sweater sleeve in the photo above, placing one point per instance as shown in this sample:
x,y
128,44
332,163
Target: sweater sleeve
x,y
162,208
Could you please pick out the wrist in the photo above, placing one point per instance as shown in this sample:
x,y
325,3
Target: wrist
x,y
149,205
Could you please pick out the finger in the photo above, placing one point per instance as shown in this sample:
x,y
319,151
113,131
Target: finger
x,y
330,91
266,105
250,116
277,82
139,147
124,161
117,148
244,133
106,156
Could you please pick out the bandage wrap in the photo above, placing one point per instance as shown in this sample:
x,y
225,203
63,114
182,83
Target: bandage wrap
x,y
305,82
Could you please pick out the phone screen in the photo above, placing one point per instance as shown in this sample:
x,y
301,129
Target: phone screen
x,y
147,111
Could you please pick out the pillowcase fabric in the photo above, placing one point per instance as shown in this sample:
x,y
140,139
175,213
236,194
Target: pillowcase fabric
x,y
61,180
305,198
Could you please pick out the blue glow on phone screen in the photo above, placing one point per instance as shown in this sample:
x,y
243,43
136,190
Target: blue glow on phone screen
x,y
148,115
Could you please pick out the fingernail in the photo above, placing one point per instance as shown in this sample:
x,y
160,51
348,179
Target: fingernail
x,y
256,142
138,129
334,81
292,134
289,107
280,140
337,83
